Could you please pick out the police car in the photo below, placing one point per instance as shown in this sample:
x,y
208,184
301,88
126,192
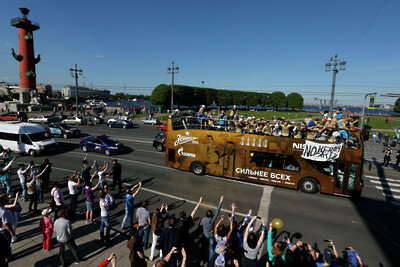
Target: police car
x,y
101,143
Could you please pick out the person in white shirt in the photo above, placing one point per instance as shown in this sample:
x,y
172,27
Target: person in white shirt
x,y
22,178
73,183
102,173
58,199
105,218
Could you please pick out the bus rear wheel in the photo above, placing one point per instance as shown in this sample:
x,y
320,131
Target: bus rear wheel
x,y
198,168
309,185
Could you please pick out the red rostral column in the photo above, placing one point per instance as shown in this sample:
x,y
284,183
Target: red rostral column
x,y
26,56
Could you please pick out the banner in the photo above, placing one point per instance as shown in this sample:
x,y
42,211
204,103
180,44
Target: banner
x,y
371,102
321,152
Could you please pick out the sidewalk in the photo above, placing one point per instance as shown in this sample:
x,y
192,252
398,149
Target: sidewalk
x,y
27,251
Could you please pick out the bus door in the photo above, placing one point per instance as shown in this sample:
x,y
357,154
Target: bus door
x,y
346,177
233,158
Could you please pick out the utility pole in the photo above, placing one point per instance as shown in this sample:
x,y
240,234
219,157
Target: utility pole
x,y
75,73
362,120
172,70
335,62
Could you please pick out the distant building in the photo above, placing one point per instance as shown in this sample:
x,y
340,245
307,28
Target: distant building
x,y
44,89
84,92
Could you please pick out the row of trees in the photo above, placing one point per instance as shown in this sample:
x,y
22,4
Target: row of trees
x,y
194,96
122,96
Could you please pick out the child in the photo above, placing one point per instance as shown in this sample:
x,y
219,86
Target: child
x,y
46,227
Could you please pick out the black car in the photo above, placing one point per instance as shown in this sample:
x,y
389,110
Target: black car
x,y
120,124
159,141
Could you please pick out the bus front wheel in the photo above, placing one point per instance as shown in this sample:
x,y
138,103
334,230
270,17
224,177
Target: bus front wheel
x,y
309,185
198,168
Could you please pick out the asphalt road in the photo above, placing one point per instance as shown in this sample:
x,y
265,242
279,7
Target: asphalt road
x,y
369,224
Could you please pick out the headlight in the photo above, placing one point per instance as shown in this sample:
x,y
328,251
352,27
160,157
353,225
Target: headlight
x,y
67,131
114,147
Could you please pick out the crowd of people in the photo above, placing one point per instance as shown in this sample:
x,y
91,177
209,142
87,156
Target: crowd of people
x,y
333,129
222,240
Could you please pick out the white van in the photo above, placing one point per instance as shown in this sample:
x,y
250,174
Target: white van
x,y
25,137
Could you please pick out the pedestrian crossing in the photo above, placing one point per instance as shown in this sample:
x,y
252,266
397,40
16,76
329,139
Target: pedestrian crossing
x,y
389,188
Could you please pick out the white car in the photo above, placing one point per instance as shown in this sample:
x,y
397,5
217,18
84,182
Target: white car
x,y
119,118
40,119
152,121
74,120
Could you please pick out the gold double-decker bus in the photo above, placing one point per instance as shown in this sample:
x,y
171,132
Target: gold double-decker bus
x,y
309,165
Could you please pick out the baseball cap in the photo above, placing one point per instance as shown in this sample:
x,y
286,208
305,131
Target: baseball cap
x,y
46,211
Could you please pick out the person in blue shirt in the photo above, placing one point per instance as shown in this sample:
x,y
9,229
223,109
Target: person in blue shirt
x,y
130,204
222,118
201,115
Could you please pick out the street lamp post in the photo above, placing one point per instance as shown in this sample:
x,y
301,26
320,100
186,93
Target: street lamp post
x,y
172,70
335,62
362,120
320,102
75,72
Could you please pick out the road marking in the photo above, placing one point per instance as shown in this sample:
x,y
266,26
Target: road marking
x,y
263,212
384,188
394,197
385,183
165,194
382,178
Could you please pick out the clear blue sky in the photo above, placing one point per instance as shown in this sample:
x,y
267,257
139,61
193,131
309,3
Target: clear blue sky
x,y
265,45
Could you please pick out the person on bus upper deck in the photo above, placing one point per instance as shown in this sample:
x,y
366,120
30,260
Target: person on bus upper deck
x,y
233,112
325,116
311,123
308,119
285,129
267,128
201,117
340,114
329,125
259,129
277,130
222,117
240,125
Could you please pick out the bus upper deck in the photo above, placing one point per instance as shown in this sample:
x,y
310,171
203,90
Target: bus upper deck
x,y
287,161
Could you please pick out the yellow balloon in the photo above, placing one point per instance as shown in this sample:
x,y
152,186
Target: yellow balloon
x,y
277,223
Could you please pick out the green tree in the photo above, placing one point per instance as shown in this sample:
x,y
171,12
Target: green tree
x,y
212,96
252,99
161,95
225,98
278,100
396,107
295,100
266,100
